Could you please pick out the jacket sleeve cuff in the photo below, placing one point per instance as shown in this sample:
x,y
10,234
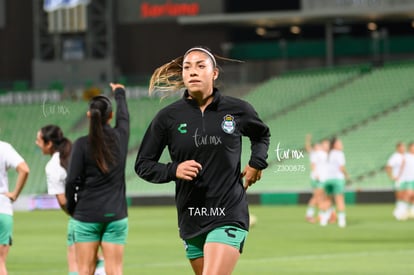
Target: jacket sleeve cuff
x,y
259,165
172,170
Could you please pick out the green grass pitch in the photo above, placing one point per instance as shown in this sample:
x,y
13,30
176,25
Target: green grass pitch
x,y
280,243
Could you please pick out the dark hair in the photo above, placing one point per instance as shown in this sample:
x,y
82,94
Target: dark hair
x,y
100,108
399,143
53,133
332,143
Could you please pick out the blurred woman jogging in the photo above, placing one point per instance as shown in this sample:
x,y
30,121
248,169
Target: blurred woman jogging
x,y
203,133
95,188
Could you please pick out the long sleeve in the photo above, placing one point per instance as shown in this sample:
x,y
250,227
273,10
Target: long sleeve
x,y
259,135
74,177
122,118
152,146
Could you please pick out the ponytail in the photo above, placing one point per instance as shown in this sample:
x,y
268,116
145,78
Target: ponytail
x,y
100,110
61,144
168,77
332,143
64,149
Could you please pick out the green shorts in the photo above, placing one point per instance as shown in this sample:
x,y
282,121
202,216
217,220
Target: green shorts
x,y
334,186
315,184
6,229
230,235
71,232
402,186
111,232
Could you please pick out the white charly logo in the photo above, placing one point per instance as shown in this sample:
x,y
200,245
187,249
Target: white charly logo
x,y
228,125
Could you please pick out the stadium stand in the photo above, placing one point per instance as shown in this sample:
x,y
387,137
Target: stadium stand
x,y
366,159
71,117
349,105
369,108
293,89
16,130
349,109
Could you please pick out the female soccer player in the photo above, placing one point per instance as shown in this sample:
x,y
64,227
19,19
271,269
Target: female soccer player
x,y
51,141
407,184
203,134
9,158
394,169
95,187
318,156
334,185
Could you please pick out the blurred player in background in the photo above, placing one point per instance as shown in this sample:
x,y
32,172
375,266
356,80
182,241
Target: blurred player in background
x,y
51,141
408,174
334,185
407,184
318,156
9,158
203,133
96,173
394,169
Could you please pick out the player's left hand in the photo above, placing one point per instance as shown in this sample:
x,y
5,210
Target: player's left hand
x,y
250,175
11,196
115,86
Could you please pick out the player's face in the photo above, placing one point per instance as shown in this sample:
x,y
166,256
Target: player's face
x,y
199,73
338,145
325,145
317,147
401,148
45,147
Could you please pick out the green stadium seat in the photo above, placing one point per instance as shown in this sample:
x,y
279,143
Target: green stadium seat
x,y
370,109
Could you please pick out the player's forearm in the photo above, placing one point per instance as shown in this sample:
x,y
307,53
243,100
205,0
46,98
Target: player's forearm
x,y
389,172
61,198
345,172
23,174
308,143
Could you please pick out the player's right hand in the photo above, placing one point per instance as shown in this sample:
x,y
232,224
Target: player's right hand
x,y
188,170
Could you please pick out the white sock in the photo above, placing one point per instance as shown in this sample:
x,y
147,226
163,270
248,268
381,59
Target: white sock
x,y
341,219
100,267
402,210
310,212
324,217
401,205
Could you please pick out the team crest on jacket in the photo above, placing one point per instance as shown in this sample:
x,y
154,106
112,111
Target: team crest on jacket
x,y
228,125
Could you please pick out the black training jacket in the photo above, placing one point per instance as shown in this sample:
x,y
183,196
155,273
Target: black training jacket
x,y
213,138
101,197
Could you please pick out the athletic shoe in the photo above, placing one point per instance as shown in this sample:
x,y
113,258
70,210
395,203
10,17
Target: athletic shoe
x,y
342,223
